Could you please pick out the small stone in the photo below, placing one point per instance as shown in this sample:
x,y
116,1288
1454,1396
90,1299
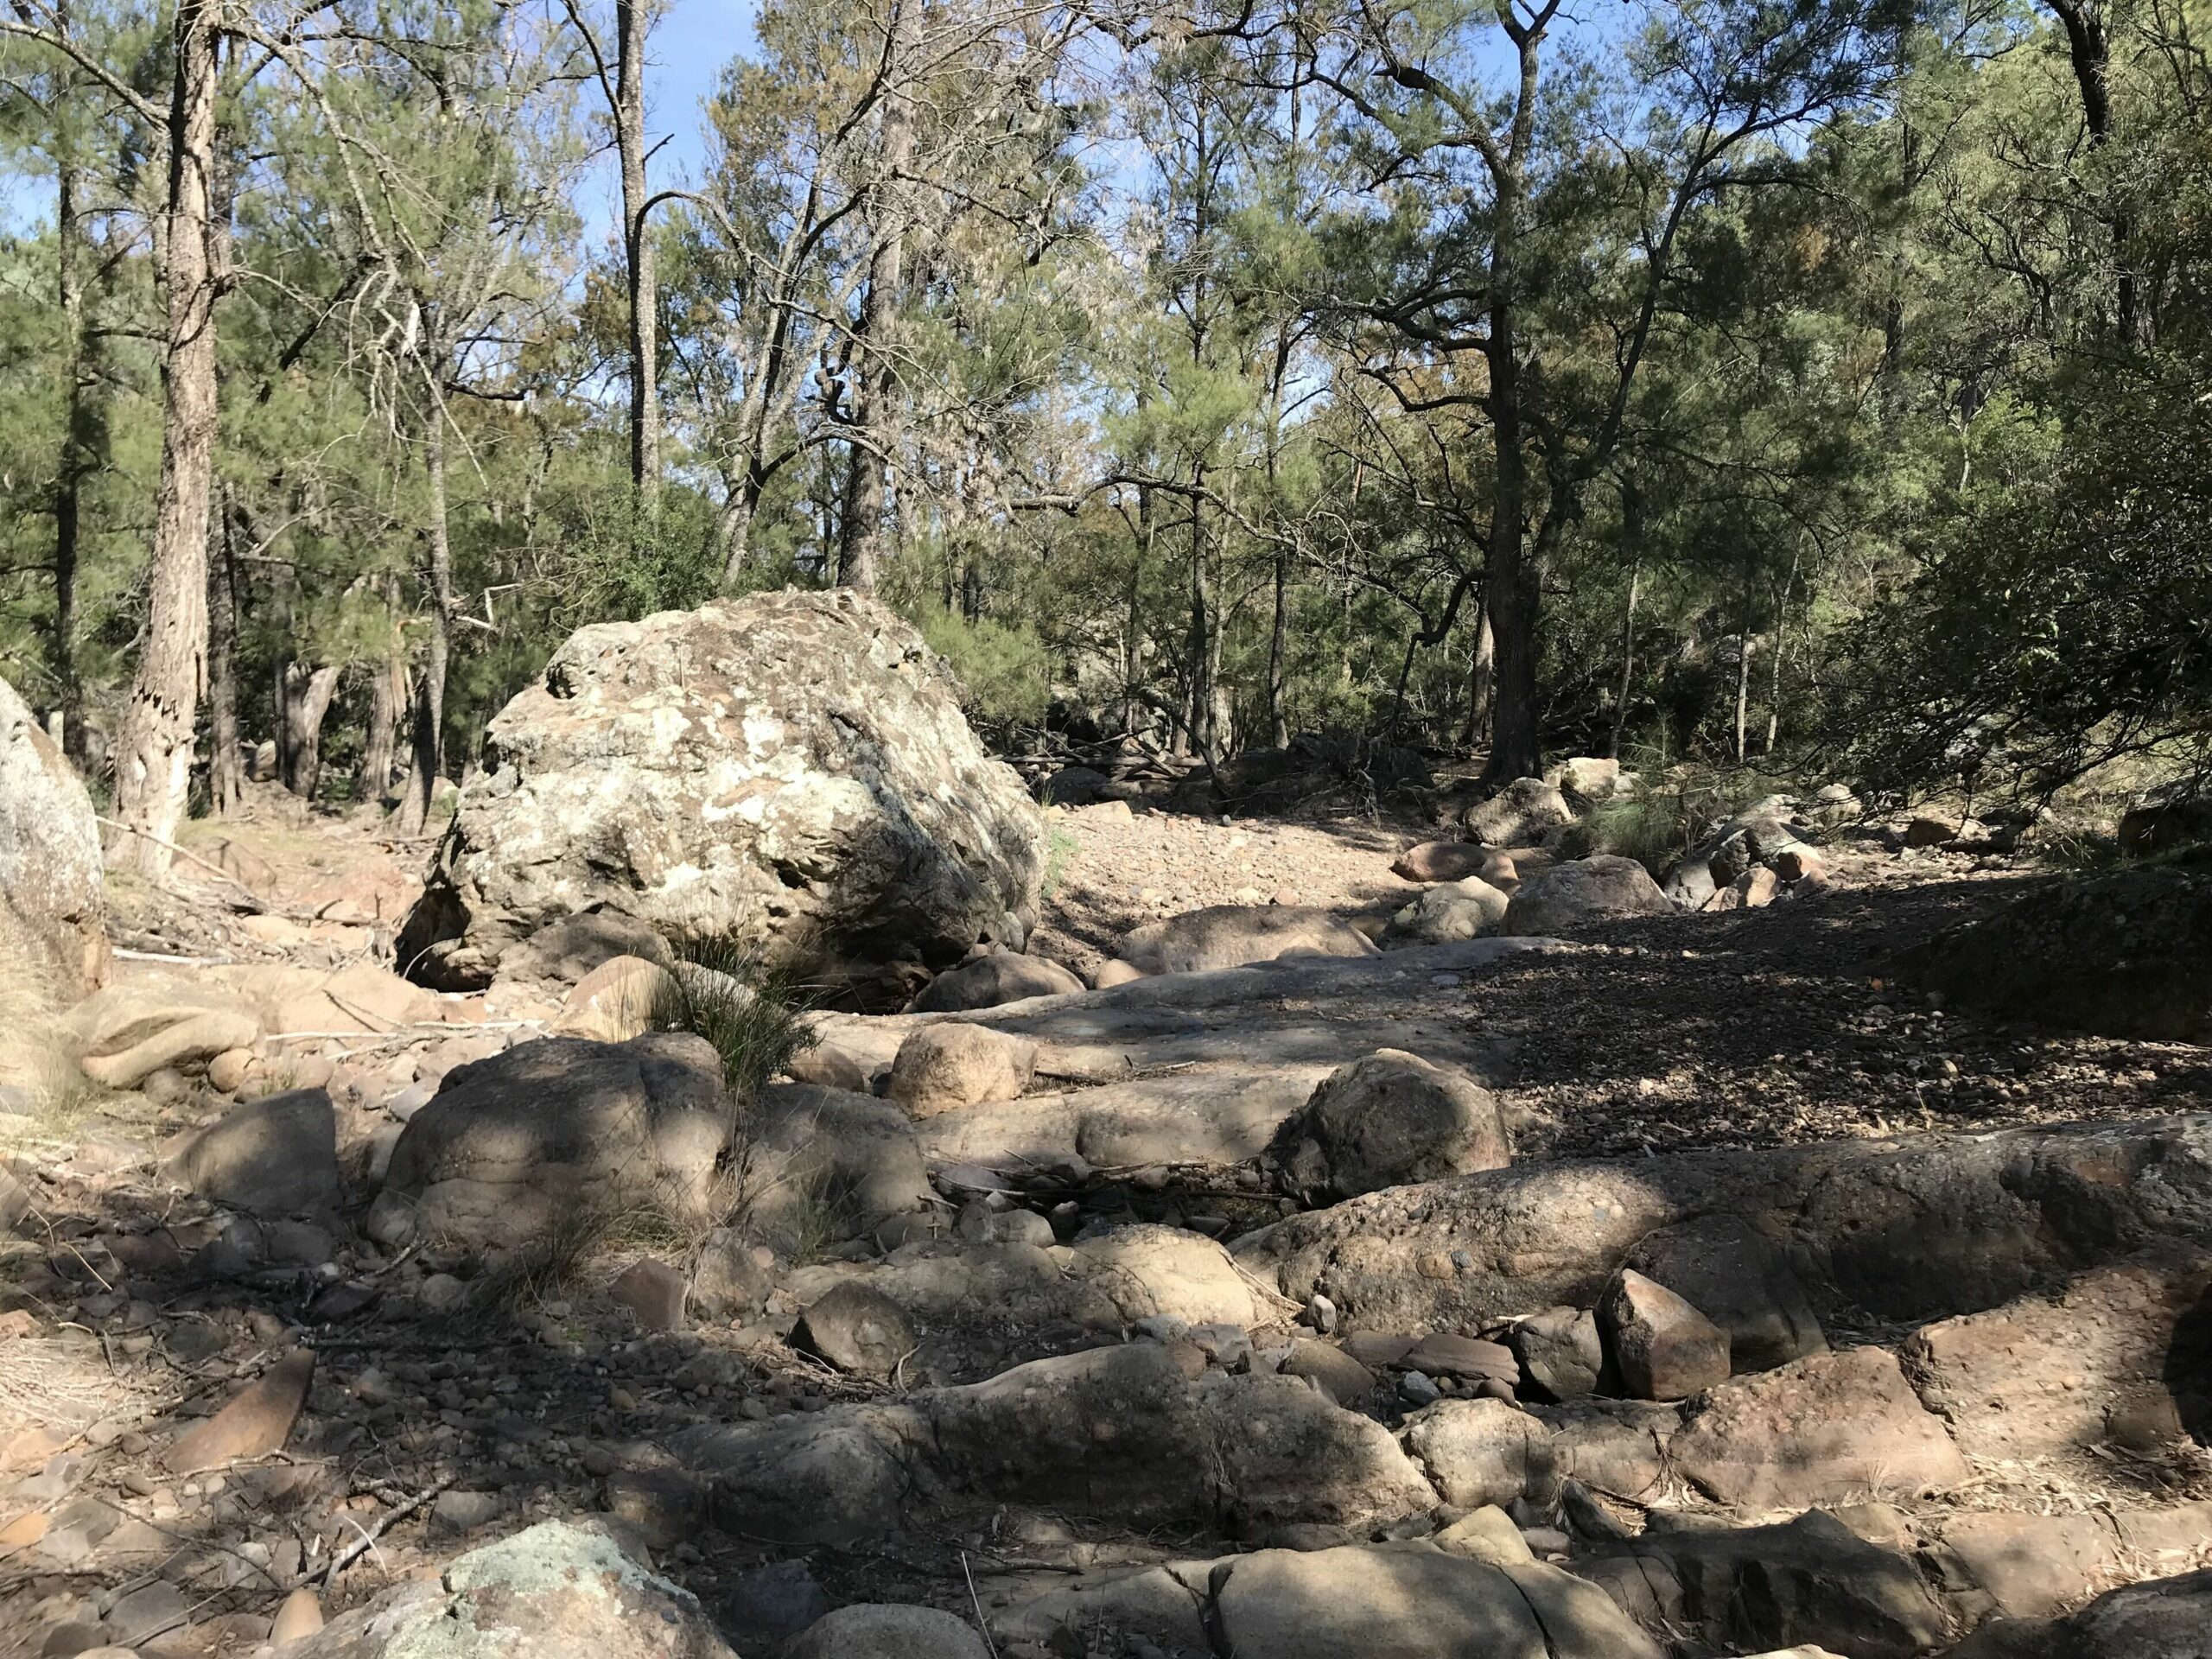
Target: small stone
x,y
1468,1357
300,1615
457,1511
1321,1314
23,1531
1663,1347
146,1613
1418,1390
857,1330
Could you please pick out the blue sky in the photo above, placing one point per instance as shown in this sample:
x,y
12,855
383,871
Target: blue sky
x,y
693,40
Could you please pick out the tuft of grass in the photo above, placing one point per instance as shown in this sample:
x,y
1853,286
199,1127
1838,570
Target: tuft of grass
x,y
1059,846
753,1018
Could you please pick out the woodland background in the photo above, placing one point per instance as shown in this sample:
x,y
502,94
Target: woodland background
x,y
1727,380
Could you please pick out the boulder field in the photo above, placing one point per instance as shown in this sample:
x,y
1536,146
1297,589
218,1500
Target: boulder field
x,y
1233,1297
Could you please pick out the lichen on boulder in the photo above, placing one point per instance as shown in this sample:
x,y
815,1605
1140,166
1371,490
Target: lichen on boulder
x,y
789,773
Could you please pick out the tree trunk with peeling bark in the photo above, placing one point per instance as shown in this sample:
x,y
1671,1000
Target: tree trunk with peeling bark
x,y
153,752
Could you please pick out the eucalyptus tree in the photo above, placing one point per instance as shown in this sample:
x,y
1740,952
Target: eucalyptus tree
x,y
1528,200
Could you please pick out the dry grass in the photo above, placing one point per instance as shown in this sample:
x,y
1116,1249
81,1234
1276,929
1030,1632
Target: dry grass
x,y
46,1096
60,1383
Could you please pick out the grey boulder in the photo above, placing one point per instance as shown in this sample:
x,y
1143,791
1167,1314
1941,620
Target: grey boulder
x,y
790,772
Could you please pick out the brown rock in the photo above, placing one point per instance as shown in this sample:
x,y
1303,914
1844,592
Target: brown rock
x,y
1755,889
1798,863
24,1530
1232,936
615,1000
1663,1347
300,1616
1455,860
1112,972
1560,1351
257,1421
1448,1355
856,1329
2033,1566
1342,1378
1389,1120
190,1040
1833,1428
942,1067
1742,1281
654,1293
994,979
273,1157
1378,1350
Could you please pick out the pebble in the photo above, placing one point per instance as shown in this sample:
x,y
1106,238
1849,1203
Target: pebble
x,y
1417,1387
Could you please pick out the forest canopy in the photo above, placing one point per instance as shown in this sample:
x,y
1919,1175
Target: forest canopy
x,y
1679,378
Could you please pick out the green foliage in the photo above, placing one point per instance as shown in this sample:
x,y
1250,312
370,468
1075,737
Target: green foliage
x,y
751,1018
1004,672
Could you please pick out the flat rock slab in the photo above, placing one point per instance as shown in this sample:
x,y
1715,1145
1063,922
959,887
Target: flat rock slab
x,y
255,1423
1907,1229
1121,1433
2122,1354
1410,1601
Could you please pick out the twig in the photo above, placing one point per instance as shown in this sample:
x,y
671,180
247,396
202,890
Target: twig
x,y
976,1602
215,870
345,1557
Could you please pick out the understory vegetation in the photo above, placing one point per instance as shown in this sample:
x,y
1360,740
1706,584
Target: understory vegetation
x,y
1738,382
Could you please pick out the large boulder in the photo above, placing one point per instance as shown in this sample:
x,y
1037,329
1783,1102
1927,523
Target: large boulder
x,y
1390,1119
557,1591
1813,1580
53,901
873,1631
2126,955
2166,1618
1585,890
1519,814
790,772
1230,936
512,1148
273,1157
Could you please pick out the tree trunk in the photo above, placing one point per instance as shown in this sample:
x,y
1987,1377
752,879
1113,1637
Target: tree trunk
x,y
387,689
860,557
153,772
1482,680
1279,657
1510,582
1743,691
2089,48
430,696
632,20
79,452
1133,623
734,531
1628,659
307,694
225,764
1199,656
1781,622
